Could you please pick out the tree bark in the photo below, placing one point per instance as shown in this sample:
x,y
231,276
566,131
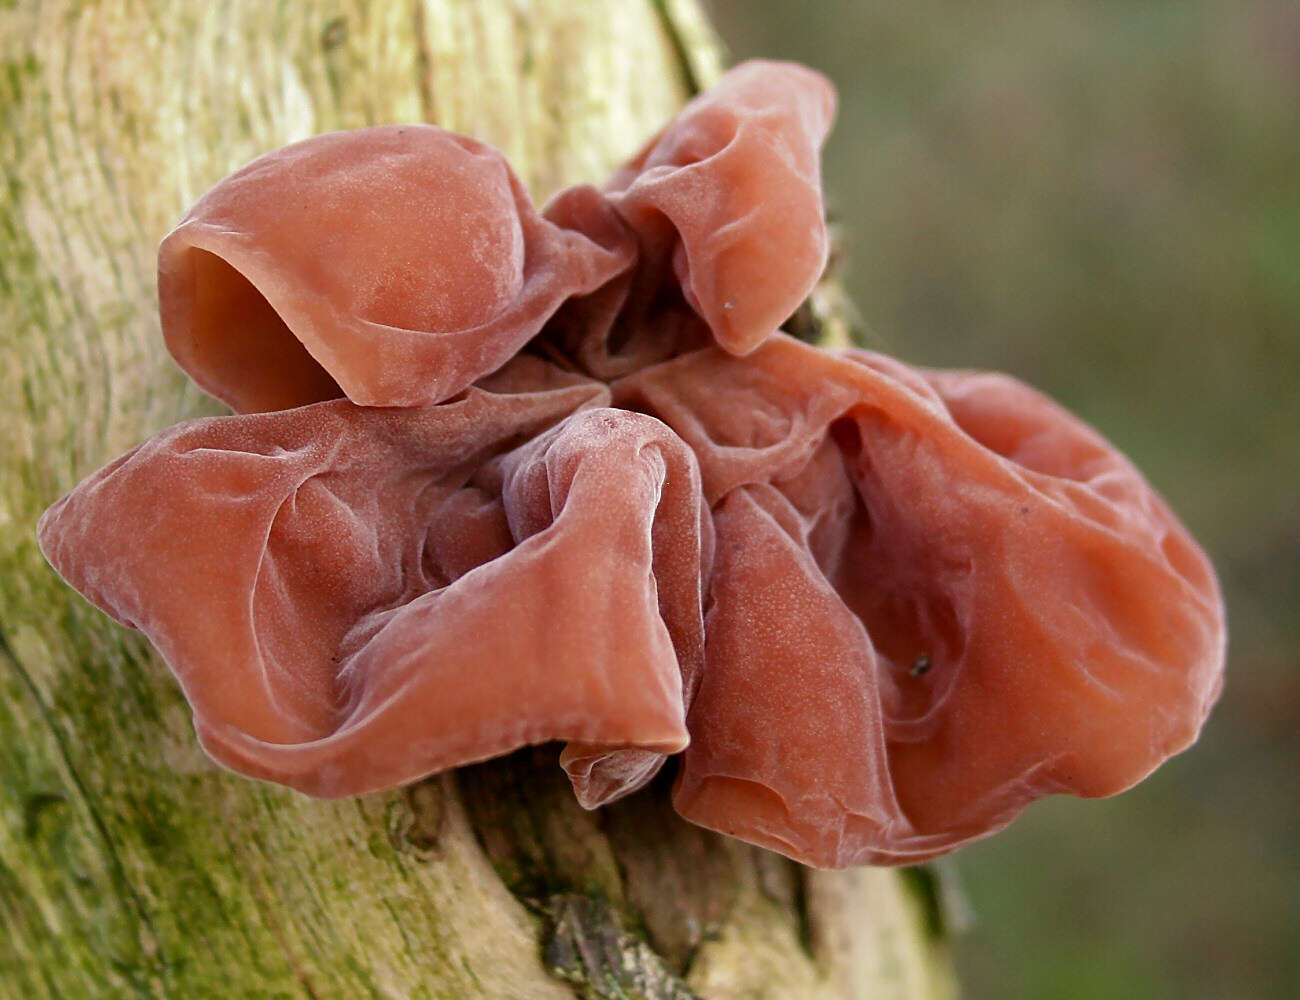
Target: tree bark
x,y
129,865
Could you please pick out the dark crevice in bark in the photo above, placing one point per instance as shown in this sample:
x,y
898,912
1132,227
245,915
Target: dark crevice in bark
x,y
588,947
681,51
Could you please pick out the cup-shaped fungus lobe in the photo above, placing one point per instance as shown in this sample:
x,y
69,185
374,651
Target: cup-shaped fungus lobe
x,y
737,177
353,598
394,265
935,597
724,206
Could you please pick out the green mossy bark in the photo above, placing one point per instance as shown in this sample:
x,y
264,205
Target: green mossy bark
x,y
129,865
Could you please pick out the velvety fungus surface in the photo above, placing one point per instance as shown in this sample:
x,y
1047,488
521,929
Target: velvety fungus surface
x,y
500,477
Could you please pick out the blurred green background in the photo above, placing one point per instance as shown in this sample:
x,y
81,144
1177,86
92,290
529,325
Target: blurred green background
x,y
1103,198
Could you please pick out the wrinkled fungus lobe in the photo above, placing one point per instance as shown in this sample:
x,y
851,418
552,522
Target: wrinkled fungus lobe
x,y
938,588
394,265
501,477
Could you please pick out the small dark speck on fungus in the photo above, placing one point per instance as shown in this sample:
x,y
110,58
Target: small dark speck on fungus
x,y
499,476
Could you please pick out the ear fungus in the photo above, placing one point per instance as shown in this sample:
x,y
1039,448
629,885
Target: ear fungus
x,y
724,210
349,606
969,601
731,191
394,265
527,477
617,495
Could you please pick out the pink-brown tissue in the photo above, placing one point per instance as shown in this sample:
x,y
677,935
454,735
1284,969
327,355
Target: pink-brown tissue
x,y
501,477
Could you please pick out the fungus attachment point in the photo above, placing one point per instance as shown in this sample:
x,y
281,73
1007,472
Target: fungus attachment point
x,y
501,478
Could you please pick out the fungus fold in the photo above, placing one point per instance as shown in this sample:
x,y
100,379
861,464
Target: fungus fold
x,y
500,477
394,265
871,517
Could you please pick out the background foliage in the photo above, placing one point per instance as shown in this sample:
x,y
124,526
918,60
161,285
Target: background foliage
x,y
1103,197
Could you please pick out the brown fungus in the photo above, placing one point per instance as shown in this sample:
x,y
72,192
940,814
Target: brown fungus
x,y
353,598
724,211
737,178
890,606
394,265
871,518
